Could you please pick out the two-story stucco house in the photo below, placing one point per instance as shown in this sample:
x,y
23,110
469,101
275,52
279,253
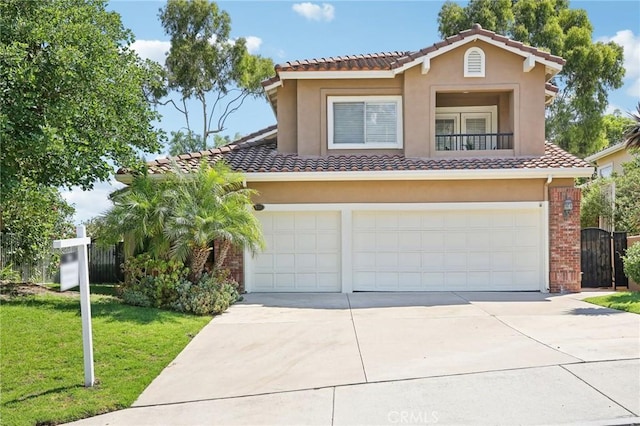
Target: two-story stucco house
x,y
411,171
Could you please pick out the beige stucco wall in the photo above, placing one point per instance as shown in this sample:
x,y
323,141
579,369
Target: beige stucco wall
x,y
518,95
617,158
403,191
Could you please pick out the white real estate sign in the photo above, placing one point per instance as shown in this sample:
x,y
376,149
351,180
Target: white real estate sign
x,y
69,270
72,273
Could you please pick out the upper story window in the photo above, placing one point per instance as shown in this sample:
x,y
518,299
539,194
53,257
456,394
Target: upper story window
x,y
606,170
474,62
364,122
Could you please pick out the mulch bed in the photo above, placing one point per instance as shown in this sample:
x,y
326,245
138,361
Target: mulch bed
x,y
10,290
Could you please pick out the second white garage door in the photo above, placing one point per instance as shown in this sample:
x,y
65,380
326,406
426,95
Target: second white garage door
x,y
447,250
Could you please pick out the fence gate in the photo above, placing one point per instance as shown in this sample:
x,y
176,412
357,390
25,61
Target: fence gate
x,y
601,258
619,250
595,261
104,263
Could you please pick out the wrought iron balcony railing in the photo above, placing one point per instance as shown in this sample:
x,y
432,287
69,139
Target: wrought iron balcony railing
x,y
476,141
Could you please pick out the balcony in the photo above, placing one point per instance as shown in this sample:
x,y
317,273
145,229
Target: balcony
x,y
474,141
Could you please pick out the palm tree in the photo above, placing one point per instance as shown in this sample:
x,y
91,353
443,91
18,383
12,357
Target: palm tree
x,y
210,205
138,215
633,134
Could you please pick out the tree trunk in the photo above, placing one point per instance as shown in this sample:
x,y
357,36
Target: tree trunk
x,y
199,256
225,245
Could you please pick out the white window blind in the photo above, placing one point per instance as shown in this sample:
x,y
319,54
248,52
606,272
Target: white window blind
x,y
348,122
365,122
476,125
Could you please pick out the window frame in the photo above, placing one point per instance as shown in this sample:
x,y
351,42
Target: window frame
x,y
469,51
608,167
397,99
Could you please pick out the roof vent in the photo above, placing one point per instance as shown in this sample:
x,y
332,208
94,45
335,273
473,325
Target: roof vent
x,y
474,62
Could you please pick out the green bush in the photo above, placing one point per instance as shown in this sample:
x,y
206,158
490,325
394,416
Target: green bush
x,y
163,284
211,295
632,263
152,282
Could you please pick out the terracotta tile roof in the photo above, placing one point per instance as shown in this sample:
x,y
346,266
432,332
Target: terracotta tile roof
x,y
371,61
393,60
254,155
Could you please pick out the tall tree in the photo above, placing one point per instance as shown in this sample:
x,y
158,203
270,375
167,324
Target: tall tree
x,y
184,142
574,119
181,142
614,128
73,94
206,66
33,215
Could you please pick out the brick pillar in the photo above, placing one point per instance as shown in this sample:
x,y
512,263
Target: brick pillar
x,y
234,262
564,240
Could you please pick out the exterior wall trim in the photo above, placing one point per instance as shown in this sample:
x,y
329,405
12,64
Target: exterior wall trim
x,y
419,175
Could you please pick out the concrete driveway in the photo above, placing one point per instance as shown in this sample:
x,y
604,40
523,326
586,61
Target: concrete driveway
x,y
401,358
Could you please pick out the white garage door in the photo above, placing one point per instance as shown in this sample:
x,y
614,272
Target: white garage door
x,y
303,253
447,250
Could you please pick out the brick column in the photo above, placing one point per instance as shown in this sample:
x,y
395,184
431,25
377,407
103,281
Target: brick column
x,y
564,240
234,262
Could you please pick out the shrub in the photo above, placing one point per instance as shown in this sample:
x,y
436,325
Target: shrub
x,y
164,284
213,294
632,263
152,282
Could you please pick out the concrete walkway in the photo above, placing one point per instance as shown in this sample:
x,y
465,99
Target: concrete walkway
x,y
401,358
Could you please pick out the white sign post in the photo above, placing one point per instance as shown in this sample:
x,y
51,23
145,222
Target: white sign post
x,y
85,306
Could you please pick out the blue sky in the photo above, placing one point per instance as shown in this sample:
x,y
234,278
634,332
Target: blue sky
x,y
286,30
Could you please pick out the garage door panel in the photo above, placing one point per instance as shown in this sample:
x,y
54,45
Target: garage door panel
x,y
283,222
410,261
386,259
285,261
326,261
501,219
284,242
302,253
305,241
432,261
410,241
479,261
433,240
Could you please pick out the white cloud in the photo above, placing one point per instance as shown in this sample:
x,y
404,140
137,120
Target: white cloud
x,y
156,50
92,203
611,108
315,12
253,43
631,45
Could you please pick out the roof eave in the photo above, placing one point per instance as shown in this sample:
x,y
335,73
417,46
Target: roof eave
x,y
608,151
379,175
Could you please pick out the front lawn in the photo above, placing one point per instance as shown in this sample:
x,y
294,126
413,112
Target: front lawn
x,y
627,301
41,369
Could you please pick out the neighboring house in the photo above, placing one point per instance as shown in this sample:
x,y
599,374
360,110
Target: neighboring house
x,y
607,162
411,171
610,160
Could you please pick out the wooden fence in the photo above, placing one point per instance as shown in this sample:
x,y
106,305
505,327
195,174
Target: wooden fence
x,y
104,262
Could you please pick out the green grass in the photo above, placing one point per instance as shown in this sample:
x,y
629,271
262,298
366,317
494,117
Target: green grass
x,y
627,301
41,364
